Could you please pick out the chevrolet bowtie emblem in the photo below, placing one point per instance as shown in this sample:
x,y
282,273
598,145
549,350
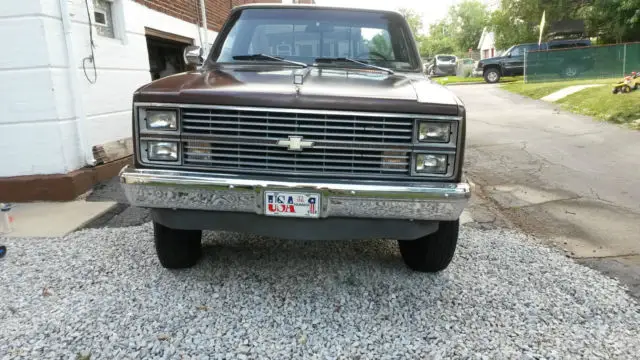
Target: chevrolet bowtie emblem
x,y
295,143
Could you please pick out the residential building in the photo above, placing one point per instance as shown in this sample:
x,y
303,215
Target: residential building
x,y
486,45
68,71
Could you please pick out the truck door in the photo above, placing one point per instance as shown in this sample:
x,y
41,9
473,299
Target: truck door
x,y
514,64
514,61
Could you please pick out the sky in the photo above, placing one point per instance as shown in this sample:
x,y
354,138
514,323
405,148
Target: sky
x,y
431,10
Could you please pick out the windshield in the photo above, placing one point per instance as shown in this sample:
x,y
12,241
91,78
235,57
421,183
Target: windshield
x,y
446,58
508,51
304,35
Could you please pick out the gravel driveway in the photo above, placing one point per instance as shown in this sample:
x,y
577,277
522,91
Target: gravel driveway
x,y
101,292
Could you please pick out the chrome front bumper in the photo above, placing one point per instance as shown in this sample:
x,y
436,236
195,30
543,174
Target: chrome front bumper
x,y
203,191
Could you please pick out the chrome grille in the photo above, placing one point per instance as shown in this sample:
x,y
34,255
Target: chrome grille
x,y
246,140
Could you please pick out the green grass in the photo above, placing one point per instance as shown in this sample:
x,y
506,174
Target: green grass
x,y
448,80
597,102
540,90
600,103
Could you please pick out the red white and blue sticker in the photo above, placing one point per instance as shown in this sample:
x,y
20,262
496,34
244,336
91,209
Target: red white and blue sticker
x,y
292,204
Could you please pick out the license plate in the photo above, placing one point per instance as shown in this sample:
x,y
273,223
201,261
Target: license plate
x,y
306,205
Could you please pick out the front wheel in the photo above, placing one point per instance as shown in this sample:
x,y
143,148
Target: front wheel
x,y
492,76
433,252
177,249
626,89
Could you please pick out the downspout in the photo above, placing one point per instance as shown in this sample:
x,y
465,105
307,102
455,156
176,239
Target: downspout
x,y
79,112
203,13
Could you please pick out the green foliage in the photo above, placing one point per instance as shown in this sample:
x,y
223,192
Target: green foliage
x,y
467,20
381,45
612,21
458,31
413,19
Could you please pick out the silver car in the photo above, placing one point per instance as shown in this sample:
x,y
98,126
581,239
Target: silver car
x,y
443,65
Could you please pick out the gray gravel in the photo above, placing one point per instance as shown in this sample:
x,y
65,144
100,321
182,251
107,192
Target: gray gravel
x,y
101,292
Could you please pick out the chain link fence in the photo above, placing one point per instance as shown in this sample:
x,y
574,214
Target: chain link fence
x,y
593,62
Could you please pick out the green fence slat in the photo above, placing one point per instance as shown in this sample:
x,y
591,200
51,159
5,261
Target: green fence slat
x,y
594,62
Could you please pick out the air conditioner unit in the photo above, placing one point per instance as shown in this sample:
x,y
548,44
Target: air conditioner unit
x,y
100,17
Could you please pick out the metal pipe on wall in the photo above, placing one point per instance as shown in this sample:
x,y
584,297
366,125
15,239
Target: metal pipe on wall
x,y
203,13
79,111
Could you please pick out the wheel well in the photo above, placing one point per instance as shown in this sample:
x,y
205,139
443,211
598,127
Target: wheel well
x,y
489,67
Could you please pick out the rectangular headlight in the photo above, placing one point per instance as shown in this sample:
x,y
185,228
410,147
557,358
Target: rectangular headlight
x,y
432,163
432,131
161,119
162,151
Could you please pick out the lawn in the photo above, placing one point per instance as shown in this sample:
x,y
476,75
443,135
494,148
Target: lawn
x,y
449,80
600,103
540,90
597,102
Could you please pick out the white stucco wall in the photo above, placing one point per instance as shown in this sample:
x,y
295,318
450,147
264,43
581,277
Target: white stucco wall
x,y
38,126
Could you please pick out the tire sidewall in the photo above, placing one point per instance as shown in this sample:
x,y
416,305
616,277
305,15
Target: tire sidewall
x,y
497,76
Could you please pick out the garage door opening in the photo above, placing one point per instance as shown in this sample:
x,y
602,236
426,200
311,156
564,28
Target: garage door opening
x,y
165,53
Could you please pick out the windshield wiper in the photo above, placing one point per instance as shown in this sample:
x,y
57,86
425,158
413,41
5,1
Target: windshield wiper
x,y
329,60
268,57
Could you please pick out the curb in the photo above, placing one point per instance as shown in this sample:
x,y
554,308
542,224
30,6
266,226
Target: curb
x,y
464,83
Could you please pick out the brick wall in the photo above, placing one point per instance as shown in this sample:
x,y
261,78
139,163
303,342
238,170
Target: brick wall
x,y
187,10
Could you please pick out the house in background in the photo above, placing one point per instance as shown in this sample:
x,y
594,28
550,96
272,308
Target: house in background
x,y
68,71
486,45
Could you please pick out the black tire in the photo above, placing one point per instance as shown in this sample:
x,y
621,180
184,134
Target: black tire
x,y
177,249
615,90
492,75
434,252
626,89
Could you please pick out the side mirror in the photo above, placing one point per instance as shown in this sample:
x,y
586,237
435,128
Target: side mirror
x,y
193,55
509,55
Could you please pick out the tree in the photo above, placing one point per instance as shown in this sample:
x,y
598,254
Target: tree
x,y
612,21
413,19
381,45
468,19
458,31
439,40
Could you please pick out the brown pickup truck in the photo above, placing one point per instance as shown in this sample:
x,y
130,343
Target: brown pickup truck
x,y
302,122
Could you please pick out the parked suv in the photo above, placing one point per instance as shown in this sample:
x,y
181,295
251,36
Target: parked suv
x,y
511,63
303,122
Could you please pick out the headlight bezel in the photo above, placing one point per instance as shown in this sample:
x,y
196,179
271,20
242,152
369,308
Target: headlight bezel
x,y
449,164
145,152
449,135
143,122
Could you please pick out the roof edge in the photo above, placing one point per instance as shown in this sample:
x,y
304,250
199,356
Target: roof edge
x,y
309,6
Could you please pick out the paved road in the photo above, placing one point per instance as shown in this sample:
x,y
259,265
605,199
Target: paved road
x,y
573,180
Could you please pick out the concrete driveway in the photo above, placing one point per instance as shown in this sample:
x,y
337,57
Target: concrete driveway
x,y
569,178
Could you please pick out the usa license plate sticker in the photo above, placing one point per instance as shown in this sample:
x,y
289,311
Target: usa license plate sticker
x,y
306,205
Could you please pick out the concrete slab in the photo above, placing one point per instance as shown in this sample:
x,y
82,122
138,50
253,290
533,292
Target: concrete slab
x,y
583,228
44,219
553,97
465,218
508,196
607,230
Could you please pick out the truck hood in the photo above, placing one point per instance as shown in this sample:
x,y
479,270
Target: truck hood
x,y
326,88
492,60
